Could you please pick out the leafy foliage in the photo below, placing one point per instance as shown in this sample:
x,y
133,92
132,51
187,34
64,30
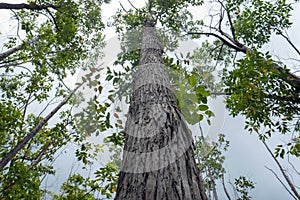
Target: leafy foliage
x,y
48,45
210,159
259,92
243,187
255,20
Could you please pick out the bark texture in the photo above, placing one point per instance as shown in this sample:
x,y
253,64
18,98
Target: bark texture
x,y
158,159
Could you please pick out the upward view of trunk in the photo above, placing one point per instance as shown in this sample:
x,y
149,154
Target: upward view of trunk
x,y
158,159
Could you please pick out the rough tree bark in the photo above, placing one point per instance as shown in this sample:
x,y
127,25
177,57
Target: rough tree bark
x,y
158,159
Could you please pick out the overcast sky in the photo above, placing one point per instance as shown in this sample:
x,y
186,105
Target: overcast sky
x,y
246,156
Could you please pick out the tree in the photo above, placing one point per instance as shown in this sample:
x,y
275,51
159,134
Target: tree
x,y
51,41
158,161
259,87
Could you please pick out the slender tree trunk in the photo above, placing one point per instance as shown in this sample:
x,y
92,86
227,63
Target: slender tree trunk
x,y
158,158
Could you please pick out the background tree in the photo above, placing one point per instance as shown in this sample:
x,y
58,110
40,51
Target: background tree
x,y
54,38
51,41
259,86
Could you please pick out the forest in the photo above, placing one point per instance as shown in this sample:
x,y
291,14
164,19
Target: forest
x,y
152,99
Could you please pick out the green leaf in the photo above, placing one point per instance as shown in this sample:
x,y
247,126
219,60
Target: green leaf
x,y
203,107
193,80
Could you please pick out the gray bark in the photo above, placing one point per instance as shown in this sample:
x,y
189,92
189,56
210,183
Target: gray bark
x,y
158,158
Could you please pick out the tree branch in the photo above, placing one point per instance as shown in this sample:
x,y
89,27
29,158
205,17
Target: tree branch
x,y
230,21
222,39
291,78
225,189
28,6
132,4
17,48
286,177
30,135
285,187
291,43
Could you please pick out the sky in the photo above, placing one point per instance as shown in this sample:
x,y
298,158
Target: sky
x,y
246,156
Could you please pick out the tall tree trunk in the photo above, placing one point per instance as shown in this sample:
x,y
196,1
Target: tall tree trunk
x,y
158,159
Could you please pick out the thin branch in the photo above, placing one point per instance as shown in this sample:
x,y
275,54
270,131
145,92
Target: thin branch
x,y
132,4
285,187
236,195
225,189
297,172
30,135
18,24
291,43
123,7
220,93
53,19
291,78
221,19
226,42
28,6
286,177
40,156
230,21
219,55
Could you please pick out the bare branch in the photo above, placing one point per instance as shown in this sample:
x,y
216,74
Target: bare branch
x,y
285,187
230,21
243,49
225,189
286,37
123,7
132,4
294,168
28,6
286,177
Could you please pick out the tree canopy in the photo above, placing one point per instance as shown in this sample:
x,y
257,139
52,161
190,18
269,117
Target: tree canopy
x,y
50,41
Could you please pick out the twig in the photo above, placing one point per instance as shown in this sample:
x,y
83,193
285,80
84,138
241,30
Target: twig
x,y
123,7
53,19
293,166
286,37
132,4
